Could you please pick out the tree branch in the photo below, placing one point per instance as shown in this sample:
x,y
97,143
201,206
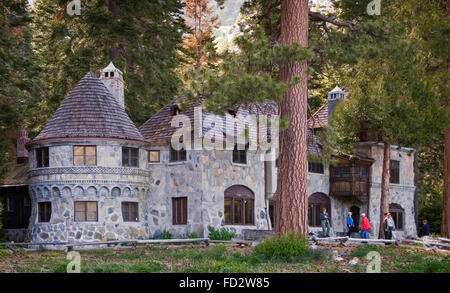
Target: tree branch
x,y
329,20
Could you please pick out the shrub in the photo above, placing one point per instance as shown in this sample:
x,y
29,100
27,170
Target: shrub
x,y
222,234
4,252
192,235
166,235
287,247
426,265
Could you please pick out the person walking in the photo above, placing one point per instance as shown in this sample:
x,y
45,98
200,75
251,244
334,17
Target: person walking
x,y
325,221
350,224
425,229
365,226
389,226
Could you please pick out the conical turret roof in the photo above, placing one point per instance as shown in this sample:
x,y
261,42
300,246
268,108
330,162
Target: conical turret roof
x,y
90,111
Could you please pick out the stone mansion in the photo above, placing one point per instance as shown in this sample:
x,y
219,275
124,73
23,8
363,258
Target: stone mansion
x,y
91,175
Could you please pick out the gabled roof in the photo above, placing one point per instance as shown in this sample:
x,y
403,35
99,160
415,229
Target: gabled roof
x,y
320,118
90,111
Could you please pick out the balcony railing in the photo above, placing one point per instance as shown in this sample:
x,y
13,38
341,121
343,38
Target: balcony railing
x,y
350,183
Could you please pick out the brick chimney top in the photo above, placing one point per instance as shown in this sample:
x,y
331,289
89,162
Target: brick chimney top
x,y
21,151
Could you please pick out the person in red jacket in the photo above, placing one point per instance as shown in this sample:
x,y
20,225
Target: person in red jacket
x,y
365,226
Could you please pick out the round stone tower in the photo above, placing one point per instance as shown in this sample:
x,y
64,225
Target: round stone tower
x,y
88,171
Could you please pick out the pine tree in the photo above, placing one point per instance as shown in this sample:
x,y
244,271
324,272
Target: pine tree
x,y
17,83
445,231
199,43
292,198
142,38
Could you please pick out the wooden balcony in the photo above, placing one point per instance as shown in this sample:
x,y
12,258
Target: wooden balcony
x,y
350,182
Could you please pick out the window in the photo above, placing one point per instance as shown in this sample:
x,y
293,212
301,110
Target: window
x,y
396,212
239,156
42,157
112,74
10,204
179,211
239,206
84,155
130,157
153,156
45,211
106,74
86,211
272,206
341,172
317,202
177,156
395,171
315,167
130,211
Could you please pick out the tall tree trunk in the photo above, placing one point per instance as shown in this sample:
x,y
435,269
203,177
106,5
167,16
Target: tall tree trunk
x,y
445,228
292,172
385,182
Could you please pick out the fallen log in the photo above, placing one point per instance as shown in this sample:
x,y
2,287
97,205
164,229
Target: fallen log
x,y
315,239
372,240
235,242
165,241
444,239
427,243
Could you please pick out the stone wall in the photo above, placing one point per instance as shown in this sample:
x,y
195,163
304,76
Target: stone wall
x,y
171,180
108,183
220,173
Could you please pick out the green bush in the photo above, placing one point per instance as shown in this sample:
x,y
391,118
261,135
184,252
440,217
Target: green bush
x,y
166,235
287,247
427,265
192,235
222,234
4,252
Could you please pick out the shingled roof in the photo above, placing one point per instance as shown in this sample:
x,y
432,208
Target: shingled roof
x,y
320,118
90,111
158,130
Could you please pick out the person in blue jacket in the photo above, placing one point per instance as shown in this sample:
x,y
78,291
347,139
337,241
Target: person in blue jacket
x,y
350,224
425,228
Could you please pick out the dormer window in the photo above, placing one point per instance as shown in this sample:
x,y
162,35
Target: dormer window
x,y
106,74
232,113
112,74
175,110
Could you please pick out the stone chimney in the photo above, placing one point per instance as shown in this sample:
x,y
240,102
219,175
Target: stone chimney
x,y
113,80
333,98
21,151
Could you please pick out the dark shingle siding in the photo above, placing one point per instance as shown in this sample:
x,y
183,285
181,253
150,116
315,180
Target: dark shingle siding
x,y
90,111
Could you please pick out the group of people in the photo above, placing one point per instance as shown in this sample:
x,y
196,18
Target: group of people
x,y
326,227
365,226
389,225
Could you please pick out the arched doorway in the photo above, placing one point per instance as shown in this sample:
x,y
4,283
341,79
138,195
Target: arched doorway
x,y
239,206
355,215
397,213
316,202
